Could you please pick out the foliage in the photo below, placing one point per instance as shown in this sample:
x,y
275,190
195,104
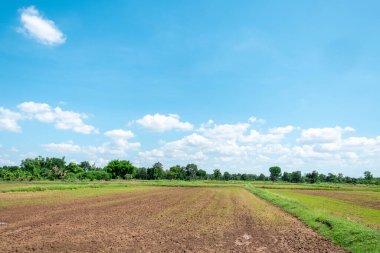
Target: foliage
x,y
217,174
120,168
74,168
41,168
156,172
275,173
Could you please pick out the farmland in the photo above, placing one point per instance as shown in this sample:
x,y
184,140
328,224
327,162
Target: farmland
x,y
207,216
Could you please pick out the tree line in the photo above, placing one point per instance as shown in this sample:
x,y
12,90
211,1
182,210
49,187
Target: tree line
x,y
46,168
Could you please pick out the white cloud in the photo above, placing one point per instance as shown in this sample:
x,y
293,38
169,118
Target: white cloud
x,y
40,28
185,149
119,134
323,135
256,137
9,120
118,145
253,119
224,131
162,123
229,146
62,148
282,130
238,147
65,120
232,143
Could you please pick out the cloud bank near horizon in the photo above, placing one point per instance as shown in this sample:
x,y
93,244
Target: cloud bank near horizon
x,y
239,147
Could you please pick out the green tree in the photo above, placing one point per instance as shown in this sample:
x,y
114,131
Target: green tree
x,y
286,177
141,173
120,169
156,172
191,170
32,166
74,168
312,177
261,177
368,175
244,177
217,174
331,178
86,165
296,177
226,176
275,173
201,174
178,172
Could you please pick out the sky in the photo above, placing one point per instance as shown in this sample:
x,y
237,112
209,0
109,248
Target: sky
x,y
235,85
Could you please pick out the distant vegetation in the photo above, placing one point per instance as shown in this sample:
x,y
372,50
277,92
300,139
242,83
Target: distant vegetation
x,y
41,168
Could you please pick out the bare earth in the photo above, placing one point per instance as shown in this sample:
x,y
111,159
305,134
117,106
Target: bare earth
x,y
159,220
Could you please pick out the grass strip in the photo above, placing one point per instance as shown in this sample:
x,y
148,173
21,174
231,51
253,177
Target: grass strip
x,y
348,234
180,183
58,187
321,188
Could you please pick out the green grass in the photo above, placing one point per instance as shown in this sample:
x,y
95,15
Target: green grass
x,y
350,235
35,188
54,197
180,183
324,186
60,185
366,216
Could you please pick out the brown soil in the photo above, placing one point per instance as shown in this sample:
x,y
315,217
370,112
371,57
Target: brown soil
x,y
159,220
362,198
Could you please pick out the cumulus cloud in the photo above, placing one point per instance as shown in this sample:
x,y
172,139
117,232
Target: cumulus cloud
x,y
254,119
282,130
62,148
162,123
323,135
231,143
119,134
237,145
65,120
224,131
185,149
9,120
118,145
36,26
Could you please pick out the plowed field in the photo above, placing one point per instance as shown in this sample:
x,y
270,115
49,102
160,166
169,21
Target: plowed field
x,y
154,219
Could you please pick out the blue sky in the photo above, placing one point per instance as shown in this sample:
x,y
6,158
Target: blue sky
x,y
237,85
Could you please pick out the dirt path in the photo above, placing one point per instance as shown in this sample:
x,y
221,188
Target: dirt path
x,y
159,220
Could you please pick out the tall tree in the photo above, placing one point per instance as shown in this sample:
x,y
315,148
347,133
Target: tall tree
x,y
368,175
275,173
120,169
74,168
217,174
191,170
156,172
